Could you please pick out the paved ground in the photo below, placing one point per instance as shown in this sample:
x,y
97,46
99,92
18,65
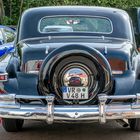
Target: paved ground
x,y
40,131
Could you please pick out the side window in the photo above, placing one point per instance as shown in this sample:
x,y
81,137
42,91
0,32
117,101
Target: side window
x,y
9,35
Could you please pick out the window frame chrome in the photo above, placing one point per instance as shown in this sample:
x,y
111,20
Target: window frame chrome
x,y
88,16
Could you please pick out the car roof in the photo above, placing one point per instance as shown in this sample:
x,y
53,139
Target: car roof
x,y
75,8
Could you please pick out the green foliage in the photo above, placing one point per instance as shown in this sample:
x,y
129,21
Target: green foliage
x,y
6,20
13,8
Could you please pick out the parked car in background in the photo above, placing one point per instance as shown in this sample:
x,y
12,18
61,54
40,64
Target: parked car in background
x,y
71,64
7,36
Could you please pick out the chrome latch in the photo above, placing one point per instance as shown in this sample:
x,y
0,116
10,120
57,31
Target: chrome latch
x,y
50,109
102,106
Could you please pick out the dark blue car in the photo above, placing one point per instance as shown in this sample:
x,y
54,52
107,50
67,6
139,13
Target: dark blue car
x,y
7,36
71,64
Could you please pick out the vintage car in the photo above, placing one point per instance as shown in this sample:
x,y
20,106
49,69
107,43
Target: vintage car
x,y
7,36
71,64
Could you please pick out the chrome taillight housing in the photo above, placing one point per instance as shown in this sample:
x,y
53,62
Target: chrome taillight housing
x,y
33,66
3,77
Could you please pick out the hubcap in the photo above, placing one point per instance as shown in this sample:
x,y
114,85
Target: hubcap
x,y
75,77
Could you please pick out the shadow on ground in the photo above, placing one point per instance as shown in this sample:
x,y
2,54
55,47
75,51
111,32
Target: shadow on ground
x,y
40,131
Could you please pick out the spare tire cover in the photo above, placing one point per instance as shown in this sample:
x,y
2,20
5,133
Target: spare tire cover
x,y
62,61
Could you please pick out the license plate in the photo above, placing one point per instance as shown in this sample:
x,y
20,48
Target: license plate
x,y
75,92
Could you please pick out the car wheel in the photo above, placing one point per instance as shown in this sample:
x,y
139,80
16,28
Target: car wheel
x,y
134,124
12,125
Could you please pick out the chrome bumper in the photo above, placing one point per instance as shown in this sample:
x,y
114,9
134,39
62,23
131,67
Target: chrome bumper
x,y
11,108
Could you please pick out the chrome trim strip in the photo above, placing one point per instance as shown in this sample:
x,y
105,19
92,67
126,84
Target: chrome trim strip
x,y
66,37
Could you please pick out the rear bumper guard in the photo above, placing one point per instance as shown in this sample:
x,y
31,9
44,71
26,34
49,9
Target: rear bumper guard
x,y
11,108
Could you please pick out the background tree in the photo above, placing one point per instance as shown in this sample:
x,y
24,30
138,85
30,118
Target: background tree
x,y
14,8
2,13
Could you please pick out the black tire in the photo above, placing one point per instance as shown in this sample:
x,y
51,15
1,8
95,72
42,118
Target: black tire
x,y
12,125
134,124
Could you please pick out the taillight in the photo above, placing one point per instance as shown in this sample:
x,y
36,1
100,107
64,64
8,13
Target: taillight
x,y
3,77
2,91
118,66
33,66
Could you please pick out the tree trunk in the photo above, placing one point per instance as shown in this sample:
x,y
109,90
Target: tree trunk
x,y
2,12
21,6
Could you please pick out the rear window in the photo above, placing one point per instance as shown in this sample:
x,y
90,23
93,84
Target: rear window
x,y
75,24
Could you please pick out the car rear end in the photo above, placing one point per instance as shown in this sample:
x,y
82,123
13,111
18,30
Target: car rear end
x,y
78,73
